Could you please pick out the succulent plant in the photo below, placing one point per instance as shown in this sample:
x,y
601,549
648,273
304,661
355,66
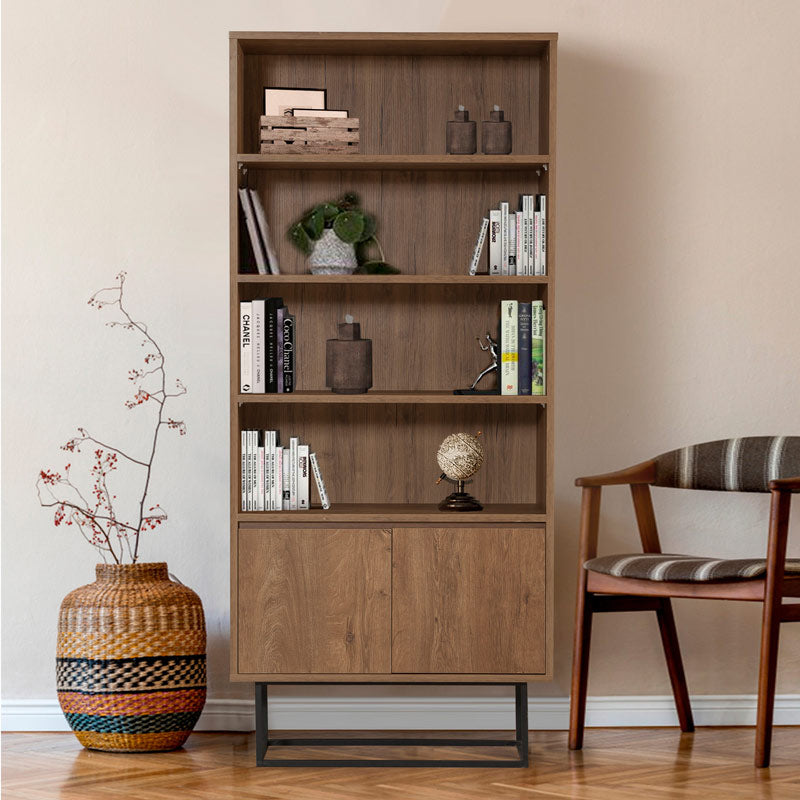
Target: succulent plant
x,y
350,223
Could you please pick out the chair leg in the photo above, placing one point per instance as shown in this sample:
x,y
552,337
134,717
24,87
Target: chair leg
x,y
677,677
580,671
770,630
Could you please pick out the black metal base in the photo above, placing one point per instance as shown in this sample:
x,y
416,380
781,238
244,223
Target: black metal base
x,y
520,742
460,501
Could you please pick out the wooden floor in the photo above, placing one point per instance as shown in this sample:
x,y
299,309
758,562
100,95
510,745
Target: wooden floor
x,y
640,764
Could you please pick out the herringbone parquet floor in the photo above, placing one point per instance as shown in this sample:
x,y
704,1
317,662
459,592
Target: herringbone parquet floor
x,y
632,764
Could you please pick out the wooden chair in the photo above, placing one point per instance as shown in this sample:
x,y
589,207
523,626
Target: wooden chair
x,y
646,581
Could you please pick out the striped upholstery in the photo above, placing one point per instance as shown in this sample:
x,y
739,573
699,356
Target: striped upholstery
x,y
672,567
746,464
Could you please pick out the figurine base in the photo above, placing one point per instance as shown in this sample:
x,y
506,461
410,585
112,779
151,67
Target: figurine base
x,y
476,391
350,391
460,501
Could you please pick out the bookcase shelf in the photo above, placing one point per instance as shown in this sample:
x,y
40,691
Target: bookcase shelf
x,y
412,398
397,280
382,585
395,513
421,161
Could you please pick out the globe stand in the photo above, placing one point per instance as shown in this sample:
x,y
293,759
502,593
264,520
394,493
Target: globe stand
x,y
460,500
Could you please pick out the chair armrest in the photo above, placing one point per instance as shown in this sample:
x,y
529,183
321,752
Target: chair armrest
x,y
785,485
641,473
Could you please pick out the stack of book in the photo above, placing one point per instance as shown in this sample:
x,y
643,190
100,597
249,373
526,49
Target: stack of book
x,y
523,346
517,239
276,478
267,361
258,230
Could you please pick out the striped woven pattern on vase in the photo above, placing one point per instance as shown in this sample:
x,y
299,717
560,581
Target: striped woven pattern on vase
x,y
131,659
746,464
675,567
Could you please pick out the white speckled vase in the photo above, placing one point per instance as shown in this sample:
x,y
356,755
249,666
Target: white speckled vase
x,y
332,256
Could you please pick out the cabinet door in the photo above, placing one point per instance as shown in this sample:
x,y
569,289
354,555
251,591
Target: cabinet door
x,y
314,601
469,600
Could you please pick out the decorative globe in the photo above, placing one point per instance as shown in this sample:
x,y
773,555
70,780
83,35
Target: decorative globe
x,y
460,456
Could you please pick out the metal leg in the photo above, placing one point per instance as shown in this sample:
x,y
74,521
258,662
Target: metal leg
x,y
264,744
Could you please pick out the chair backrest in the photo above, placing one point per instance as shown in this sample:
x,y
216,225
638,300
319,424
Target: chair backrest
x,y
746,464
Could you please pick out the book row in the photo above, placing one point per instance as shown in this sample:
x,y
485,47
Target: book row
x,y
267,362
258,231
517,239
523,348
278,478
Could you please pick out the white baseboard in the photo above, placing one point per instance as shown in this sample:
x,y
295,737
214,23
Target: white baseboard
x,y
450,713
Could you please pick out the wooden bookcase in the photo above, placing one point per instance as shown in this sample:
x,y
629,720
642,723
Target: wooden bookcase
x,y
383,587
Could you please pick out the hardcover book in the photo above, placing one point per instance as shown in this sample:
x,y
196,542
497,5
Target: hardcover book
x,y
303,486
524,333
323,494
509,353
273,304
538,347
495,246
246,347
479,245
252,230
258,347
289,360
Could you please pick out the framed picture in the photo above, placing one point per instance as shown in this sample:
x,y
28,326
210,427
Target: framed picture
x,y
314,112
278,100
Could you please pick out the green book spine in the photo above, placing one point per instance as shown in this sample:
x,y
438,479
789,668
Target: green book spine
x,y
538,348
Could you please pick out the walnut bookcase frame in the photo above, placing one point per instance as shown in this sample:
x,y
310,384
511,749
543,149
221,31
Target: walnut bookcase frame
x,y
383,587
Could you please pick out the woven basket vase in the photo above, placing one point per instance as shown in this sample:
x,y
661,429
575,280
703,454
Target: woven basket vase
x,y
131,659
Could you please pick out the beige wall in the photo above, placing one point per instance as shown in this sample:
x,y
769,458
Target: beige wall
x,y
678,280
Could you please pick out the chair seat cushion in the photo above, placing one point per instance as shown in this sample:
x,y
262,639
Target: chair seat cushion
x,y
674,567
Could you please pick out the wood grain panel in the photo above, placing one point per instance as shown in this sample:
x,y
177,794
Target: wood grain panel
x,y
470,600
423,337
427,219
404,101
387,453
314,601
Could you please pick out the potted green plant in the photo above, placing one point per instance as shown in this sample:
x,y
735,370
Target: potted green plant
x,y
338,237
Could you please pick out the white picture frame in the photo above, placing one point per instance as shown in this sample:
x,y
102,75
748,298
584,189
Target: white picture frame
x,y
279,100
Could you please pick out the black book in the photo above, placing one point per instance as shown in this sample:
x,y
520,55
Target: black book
x,y
524,345
273,304
288,353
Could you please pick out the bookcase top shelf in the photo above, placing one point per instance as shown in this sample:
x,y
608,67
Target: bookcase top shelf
x,y
391,43
358,161
395,279
397,513
407,398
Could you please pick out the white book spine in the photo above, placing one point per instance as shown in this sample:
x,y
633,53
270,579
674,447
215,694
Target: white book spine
x,y
525,260
260,480
504,238
261,219
537,252
323,494
495,244
244,470
273,465
252,230
259,347
278,500
285,482
273,438
512,243
303,487
529,234
293,443
248,489
543,233
479,245
510,352
254,470
246,347
518,242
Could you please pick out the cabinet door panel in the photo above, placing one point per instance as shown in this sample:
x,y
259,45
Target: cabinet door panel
x,y
469,600
314,601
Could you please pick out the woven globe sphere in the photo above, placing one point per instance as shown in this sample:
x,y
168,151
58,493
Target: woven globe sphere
x,y
460,456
